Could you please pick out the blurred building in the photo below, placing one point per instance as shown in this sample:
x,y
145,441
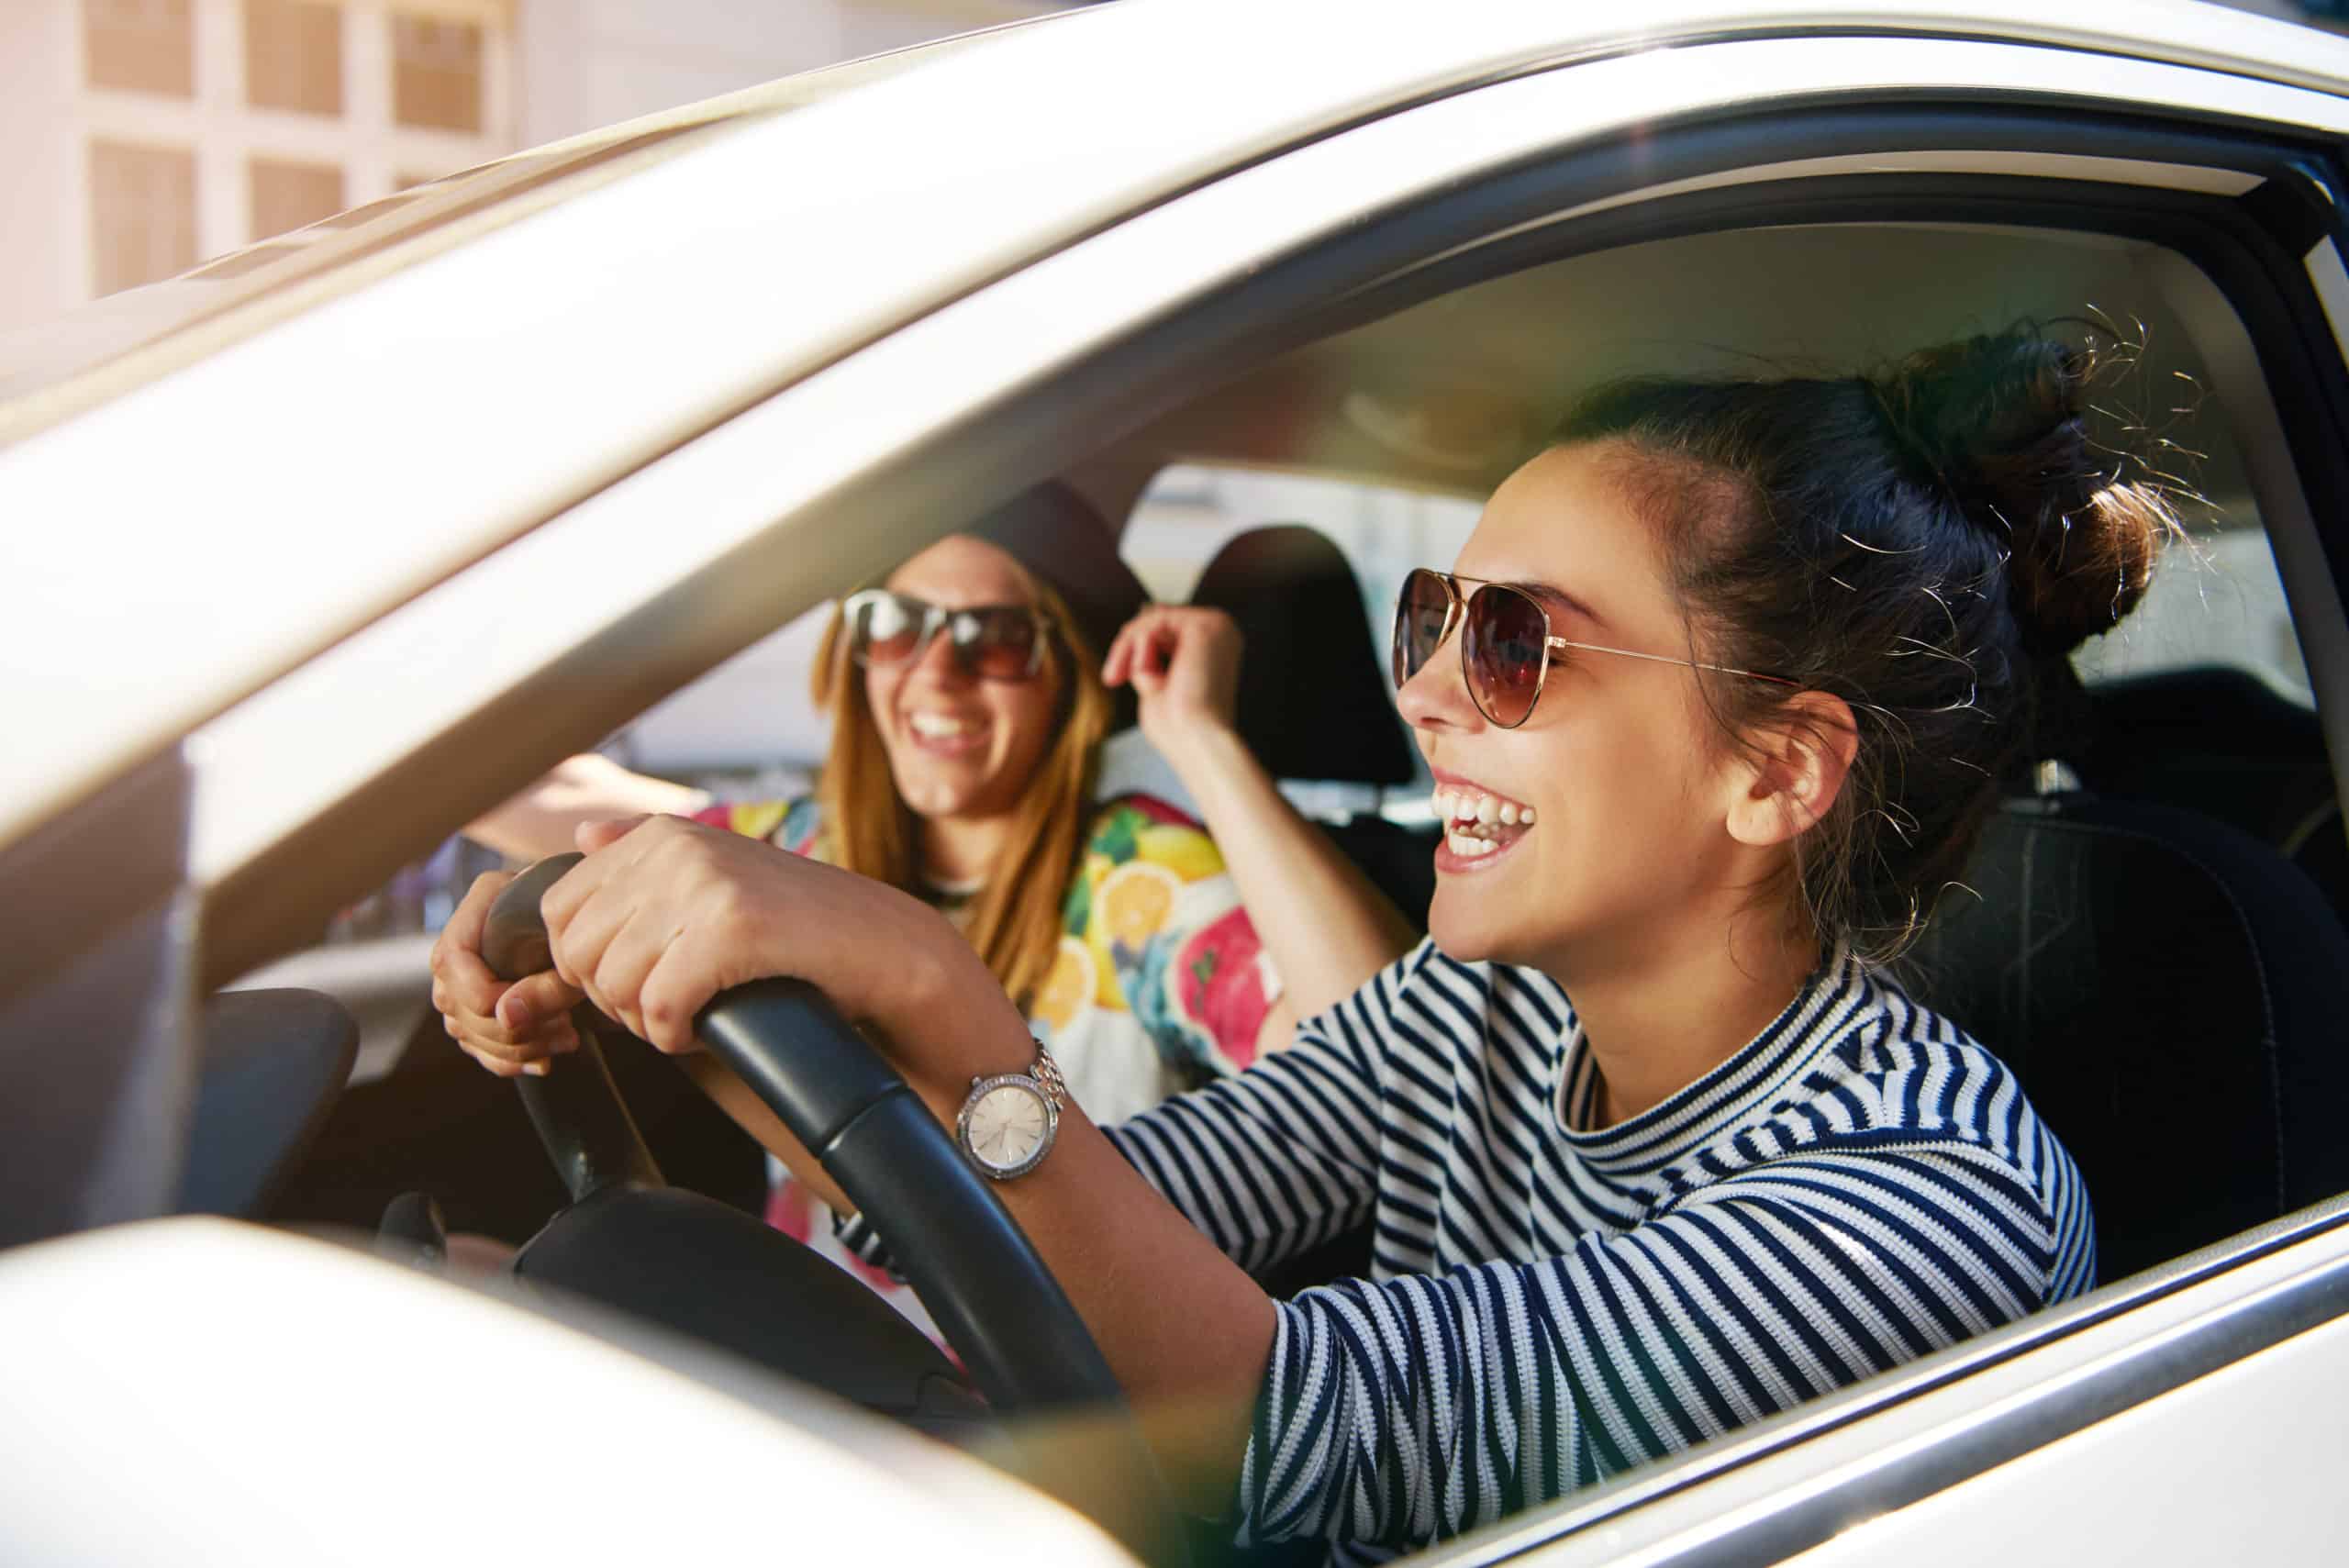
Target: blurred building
x,y
139,138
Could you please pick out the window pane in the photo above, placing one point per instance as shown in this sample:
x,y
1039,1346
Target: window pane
x,y
288,195
147,46
142,209
294,56
2219,603
436,73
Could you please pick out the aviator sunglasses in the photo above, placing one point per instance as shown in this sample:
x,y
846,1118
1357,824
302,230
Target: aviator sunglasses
x,y
1504,641
993,642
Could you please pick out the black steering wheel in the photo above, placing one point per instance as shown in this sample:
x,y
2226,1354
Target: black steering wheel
x,y
974,1268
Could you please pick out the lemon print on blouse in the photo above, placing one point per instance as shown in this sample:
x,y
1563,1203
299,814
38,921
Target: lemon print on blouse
x,y
1129,908
1187,852
1069,989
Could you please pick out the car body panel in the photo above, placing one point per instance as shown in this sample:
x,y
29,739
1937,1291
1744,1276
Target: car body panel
x,y
288,1400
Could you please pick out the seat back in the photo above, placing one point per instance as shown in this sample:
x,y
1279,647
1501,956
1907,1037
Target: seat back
x,y
1315,699
1316,702
2173,996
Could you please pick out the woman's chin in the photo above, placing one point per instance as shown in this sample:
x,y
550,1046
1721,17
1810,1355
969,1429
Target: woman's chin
x,y
1463,927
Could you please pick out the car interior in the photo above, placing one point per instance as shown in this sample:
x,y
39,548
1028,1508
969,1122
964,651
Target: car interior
x,y
2161,899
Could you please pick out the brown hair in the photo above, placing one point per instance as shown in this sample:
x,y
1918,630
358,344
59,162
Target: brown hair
x,y
1015,920
1928,544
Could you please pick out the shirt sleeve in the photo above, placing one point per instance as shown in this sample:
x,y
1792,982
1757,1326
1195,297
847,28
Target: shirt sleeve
x,y
1420,1408
1155,903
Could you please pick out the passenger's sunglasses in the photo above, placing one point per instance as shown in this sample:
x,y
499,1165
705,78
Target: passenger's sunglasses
x,y
993,642
1504,641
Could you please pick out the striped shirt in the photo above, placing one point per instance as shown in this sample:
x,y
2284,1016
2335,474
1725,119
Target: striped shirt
x,y
1551,1305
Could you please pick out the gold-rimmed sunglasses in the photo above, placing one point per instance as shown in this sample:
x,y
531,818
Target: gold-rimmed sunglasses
x,y
1504,641
993,642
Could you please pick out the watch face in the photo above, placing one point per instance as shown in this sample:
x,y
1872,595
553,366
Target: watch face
x,y
1008,1127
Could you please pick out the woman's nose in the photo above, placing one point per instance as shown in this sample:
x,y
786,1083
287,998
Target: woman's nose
x,y
1436,697
937,663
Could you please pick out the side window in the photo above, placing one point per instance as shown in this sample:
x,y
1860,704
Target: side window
x,y
2215,602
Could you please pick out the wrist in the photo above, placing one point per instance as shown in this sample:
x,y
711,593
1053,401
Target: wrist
x,y
1204,750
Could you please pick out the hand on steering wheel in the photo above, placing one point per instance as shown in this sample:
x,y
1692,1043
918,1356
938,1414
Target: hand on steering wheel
x,y
513,1029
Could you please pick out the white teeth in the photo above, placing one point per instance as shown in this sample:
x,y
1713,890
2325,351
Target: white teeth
x,y
1478,810
1461,844
935,727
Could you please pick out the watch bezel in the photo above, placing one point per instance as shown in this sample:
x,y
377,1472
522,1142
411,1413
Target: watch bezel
x,y
980,1089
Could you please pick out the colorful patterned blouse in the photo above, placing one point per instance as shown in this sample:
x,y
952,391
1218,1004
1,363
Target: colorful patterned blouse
x,y
1161,984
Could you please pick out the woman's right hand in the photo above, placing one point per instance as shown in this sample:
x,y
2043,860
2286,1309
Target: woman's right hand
x,y
513,1031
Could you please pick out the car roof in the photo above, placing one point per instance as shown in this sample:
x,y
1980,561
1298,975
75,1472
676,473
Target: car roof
x,y
606,329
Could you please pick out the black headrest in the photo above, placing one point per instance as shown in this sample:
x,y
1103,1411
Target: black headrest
x,y
1315,700
2170,991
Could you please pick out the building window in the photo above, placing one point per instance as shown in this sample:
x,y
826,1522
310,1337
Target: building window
x,y
289,196
146,46
294,56
436,73
142,212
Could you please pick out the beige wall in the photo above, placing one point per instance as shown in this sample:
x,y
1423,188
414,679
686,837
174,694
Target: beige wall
x,y
49,118
550,69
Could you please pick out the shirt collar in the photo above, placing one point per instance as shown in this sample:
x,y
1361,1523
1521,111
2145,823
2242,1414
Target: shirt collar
x,y
1756,1076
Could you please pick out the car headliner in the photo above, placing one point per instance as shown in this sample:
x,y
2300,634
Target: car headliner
x,y
359,466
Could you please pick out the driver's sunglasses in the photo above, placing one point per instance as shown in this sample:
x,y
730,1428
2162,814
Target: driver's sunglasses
x,y
993,642
1504,641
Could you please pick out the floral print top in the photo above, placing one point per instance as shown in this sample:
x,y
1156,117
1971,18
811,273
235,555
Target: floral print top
x,y
1160,984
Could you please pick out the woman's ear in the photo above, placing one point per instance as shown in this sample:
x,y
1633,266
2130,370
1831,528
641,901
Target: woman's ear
x,y
1793,766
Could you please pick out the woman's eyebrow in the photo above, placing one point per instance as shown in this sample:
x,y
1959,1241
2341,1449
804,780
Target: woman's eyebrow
x,y
1564,600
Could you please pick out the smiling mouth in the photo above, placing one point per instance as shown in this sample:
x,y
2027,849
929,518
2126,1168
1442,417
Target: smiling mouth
x,y
1477,825
943,735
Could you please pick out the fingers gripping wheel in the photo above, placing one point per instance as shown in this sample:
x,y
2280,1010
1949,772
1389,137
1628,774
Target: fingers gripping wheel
x,y
576,1107
949,1233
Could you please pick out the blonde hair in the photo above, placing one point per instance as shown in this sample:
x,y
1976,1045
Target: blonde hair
x,y
1015,919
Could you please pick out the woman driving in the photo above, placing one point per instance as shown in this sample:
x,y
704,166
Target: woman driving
x,y
1716,698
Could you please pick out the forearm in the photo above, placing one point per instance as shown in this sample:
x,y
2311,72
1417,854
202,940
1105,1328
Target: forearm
x,y
1326,928
1142,1277
1188,1333
541,820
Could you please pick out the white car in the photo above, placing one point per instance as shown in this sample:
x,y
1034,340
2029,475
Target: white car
x,y
317,552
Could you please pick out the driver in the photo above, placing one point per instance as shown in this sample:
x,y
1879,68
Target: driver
x,y
1716,698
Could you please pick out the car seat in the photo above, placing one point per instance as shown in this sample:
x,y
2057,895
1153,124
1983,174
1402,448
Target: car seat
x,y
1316,702
2218,739
2171,993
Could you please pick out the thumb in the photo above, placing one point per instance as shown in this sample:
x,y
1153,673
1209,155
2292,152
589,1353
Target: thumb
x,y
594,835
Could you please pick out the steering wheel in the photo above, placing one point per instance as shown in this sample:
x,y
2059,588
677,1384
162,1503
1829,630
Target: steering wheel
x,y
967,1258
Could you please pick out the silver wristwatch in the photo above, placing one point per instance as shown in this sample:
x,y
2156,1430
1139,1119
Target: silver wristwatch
x,y
1008,1124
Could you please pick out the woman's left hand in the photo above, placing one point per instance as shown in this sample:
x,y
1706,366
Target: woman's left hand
x,y
1183,662
665,914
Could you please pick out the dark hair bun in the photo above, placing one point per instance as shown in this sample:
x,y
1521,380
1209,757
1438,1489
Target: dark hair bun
x,y
2000,422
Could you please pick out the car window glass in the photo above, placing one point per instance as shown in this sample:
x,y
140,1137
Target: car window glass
x,y
2216,601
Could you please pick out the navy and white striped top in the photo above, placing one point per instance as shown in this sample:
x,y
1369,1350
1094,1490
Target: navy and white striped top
x,y
1860,1185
